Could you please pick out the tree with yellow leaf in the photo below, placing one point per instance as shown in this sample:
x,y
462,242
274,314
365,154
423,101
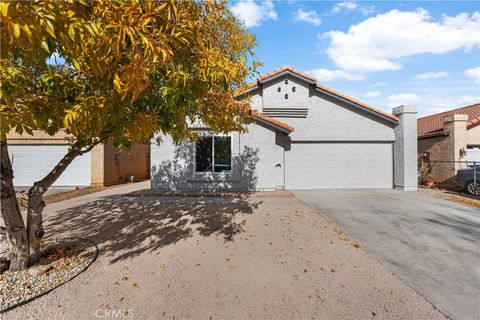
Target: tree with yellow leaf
x,y
131,69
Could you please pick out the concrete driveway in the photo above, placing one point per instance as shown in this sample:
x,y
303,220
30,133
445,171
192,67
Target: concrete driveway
x,y
432,244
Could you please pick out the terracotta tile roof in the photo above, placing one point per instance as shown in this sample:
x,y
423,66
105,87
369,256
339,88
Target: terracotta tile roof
x,y
286,68
333,92
429,125
261,116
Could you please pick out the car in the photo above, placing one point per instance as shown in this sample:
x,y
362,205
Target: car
x,y
466,180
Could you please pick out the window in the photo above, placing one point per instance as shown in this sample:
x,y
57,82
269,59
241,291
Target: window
x,y
213,154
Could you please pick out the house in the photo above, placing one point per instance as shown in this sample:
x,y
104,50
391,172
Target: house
x,y
34,156
301,135
448,141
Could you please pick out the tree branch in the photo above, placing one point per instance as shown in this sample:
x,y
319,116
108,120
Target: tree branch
x,y
76,150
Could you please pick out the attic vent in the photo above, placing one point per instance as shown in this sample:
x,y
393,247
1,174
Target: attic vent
x,y
286,112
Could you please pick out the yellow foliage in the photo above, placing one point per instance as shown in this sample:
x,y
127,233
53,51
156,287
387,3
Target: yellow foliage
x,y
132,68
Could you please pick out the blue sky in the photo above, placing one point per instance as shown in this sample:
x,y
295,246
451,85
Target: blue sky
x,y
385,53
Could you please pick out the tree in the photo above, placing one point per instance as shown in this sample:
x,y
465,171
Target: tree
x,y
129,69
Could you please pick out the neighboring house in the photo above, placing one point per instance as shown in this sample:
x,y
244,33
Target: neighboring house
x,y
34,156
301,135
447,140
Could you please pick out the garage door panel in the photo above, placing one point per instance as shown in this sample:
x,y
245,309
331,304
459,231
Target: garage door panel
x,y
32,162
339,165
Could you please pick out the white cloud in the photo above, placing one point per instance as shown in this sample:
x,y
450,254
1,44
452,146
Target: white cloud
x,y
378,43
431,75
367,9
438,103
325,75
372,94
403,99
352,5
344,5
252,13
473,73
308,16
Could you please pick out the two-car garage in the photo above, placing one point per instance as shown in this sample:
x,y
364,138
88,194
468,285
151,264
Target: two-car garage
x,y
349,165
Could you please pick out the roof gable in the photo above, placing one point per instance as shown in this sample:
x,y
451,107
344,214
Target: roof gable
x,y
287,70
433,125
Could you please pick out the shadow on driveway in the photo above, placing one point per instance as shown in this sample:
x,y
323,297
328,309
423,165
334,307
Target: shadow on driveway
x,y
130,226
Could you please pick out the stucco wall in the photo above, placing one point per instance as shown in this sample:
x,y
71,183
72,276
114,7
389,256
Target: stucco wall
x,y
257,163
328,118
444,151
256,101
117,165
473,135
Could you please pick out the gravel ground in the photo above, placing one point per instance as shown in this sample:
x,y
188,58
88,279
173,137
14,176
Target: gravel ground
x,y
63,258
451,195
192,258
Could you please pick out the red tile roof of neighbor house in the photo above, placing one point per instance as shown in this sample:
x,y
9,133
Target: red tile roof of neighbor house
x,y
276,122
431,126
321,87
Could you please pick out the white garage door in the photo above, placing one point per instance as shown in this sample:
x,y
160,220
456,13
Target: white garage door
x,y
32,162
339,165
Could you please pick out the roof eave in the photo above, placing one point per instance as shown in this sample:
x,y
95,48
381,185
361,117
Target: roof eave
x,y
473,123
433,135
287,72
389,119
284,129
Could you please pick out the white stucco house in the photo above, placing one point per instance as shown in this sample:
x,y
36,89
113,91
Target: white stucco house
x,y
301,135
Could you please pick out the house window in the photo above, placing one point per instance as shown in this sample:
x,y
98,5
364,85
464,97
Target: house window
x,y
213,154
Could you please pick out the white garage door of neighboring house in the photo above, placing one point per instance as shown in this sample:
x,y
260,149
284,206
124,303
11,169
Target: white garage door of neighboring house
x,y
339,165
32,162
473,155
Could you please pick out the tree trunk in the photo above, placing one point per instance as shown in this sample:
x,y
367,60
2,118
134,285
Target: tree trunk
x,y
15,226
36,204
